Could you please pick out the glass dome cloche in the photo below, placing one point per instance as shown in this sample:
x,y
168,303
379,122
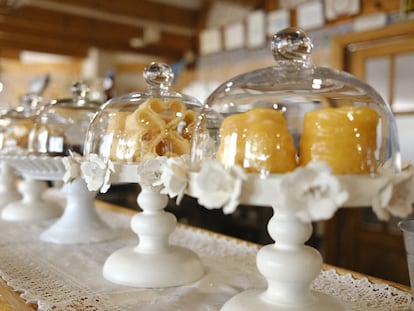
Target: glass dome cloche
x,y
141,126
15,124
137,133
57,135
272,120
62,124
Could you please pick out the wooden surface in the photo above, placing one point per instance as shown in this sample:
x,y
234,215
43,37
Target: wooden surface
x,y
11,300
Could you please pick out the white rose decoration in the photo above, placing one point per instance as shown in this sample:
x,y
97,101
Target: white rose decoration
x,y
96,173
312,191
216,187
393,198
72,165
149,173
174,177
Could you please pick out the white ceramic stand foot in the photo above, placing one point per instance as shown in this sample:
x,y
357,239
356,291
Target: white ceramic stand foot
x,y
32,207
80,222
289,267
8,181
153,262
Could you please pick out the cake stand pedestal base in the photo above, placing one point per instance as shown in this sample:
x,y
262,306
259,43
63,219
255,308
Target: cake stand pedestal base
x,y
80,223
8,179
176,266
289,267
256,300
153,262
32,207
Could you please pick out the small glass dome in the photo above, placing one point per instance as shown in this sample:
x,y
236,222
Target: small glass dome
x,y
15,124
140,126
61,125
272,120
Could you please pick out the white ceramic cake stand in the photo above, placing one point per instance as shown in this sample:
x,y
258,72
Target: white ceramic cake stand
x,y
80,222
8,182
32,206
154,262
288,265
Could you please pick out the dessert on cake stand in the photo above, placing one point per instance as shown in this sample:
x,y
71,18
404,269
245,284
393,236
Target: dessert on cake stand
x,y
59,129
298,198
136,132
79,222
14,131
153,262
304,140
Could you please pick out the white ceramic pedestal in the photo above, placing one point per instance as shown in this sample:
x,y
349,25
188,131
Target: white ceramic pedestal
x,y
153,262
8,181
289,267
32,207
80,222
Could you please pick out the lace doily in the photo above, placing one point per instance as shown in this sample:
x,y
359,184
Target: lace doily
x,y
69,277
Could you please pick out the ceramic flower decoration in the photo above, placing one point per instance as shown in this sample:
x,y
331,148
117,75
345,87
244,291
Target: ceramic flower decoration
x,y
217,187
174,177
313,192
95,171
72,166
393,197
149,173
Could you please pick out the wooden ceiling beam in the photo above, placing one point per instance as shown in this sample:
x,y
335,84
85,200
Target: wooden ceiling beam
x,y
39,24
72,27
16,42
154,14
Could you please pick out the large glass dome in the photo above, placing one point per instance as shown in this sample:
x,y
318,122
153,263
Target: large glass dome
x,y
272,120
61,125
140,126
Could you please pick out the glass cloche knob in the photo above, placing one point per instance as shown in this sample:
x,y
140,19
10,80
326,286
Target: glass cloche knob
x,y
80,91
158,75
291,44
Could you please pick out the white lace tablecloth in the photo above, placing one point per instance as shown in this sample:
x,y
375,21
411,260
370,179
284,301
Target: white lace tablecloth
x,y
69,277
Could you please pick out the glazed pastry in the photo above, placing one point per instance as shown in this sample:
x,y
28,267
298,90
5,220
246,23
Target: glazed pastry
x,y
344,137
257,140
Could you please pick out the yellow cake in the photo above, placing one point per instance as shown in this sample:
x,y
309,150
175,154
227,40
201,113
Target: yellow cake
x,y
257,140
344,138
